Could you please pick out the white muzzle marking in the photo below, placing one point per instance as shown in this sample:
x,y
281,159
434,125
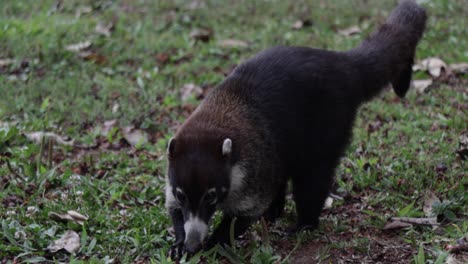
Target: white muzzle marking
x,y
195,229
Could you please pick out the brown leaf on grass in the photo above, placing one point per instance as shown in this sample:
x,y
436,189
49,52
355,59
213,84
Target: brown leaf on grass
x,y
202,34
82,10
429,201
421,85
134,136
196,4
353,30
6,62
162,58
435,66
68,216
104,29
460,67
232,43
302,23
108,126
77,47
401,222
93,56
189,90
39,136
70,241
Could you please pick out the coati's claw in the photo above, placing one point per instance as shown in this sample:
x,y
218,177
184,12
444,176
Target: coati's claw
x,y
176,251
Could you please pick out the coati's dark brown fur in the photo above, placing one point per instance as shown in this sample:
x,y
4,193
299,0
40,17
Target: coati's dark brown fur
x,y
286,113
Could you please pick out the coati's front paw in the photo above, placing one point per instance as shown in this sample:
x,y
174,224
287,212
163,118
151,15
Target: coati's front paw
x,y
177,250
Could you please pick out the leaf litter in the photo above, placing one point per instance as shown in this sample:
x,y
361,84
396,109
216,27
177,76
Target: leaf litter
x,y
69,241
69,216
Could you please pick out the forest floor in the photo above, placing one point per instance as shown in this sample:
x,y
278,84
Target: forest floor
x,y
91,91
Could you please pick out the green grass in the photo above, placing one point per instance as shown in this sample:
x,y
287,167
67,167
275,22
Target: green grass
x,y
47,88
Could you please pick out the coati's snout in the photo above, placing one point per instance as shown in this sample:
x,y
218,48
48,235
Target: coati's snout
x,y
198,182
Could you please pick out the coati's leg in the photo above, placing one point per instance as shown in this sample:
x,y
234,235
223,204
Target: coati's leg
x,y
277,205
177,249
311,185
221,235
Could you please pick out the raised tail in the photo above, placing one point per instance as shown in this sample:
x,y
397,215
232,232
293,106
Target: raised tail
x,y
387,55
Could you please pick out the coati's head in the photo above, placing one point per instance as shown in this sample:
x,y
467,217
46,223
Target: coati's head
x,y
199,179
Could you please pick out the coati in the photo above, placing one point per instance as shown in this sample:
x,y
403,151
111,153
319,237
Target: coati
x,y
285,114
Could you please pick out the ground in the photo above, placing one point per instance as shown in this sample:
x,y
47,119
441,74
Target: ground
x,y
114,79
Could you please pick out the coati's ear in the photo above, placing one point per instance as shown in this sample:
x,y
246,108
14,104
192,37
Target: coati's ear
x,y
170,147
227,147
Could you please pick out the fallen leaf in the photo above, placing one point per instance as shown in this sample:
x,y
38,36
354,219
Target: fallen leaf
x,y
353,30
78,46
189,90
6,62
201,34
429,201
196,4
68,216
38,136
108,126
104,29
421,85
302,23
83,10
233,43
134,136
115,108
401,222
433,65
395,225
459,67
93,56
31,210
70,241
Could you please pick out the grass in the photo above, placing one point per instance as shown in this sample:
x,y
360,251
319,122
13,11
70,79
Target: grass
x,y
401,149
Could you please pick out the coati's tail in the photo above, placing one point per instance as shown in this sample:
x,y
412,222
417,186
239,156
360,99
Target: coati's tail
x,y
387,55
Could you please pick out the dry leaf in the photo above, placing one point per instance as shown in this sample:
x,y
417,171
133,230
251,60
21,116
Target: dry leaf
x,y
93,56
349,31
78,46
233,43
421,85
459,67
104,29
401,222
190,89
6,62
108,126
433,65
134,136
115,108
69,216
196,4
429,201
201,34
302,23
83,10
70,241
38,136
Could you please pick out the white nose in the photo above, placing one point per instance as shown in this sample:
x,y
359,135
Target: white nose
x,y
196,231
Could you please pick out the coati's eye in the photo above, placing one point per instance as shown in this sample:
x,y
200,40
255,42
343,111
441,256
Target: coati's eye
x,y
211,196
180,196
